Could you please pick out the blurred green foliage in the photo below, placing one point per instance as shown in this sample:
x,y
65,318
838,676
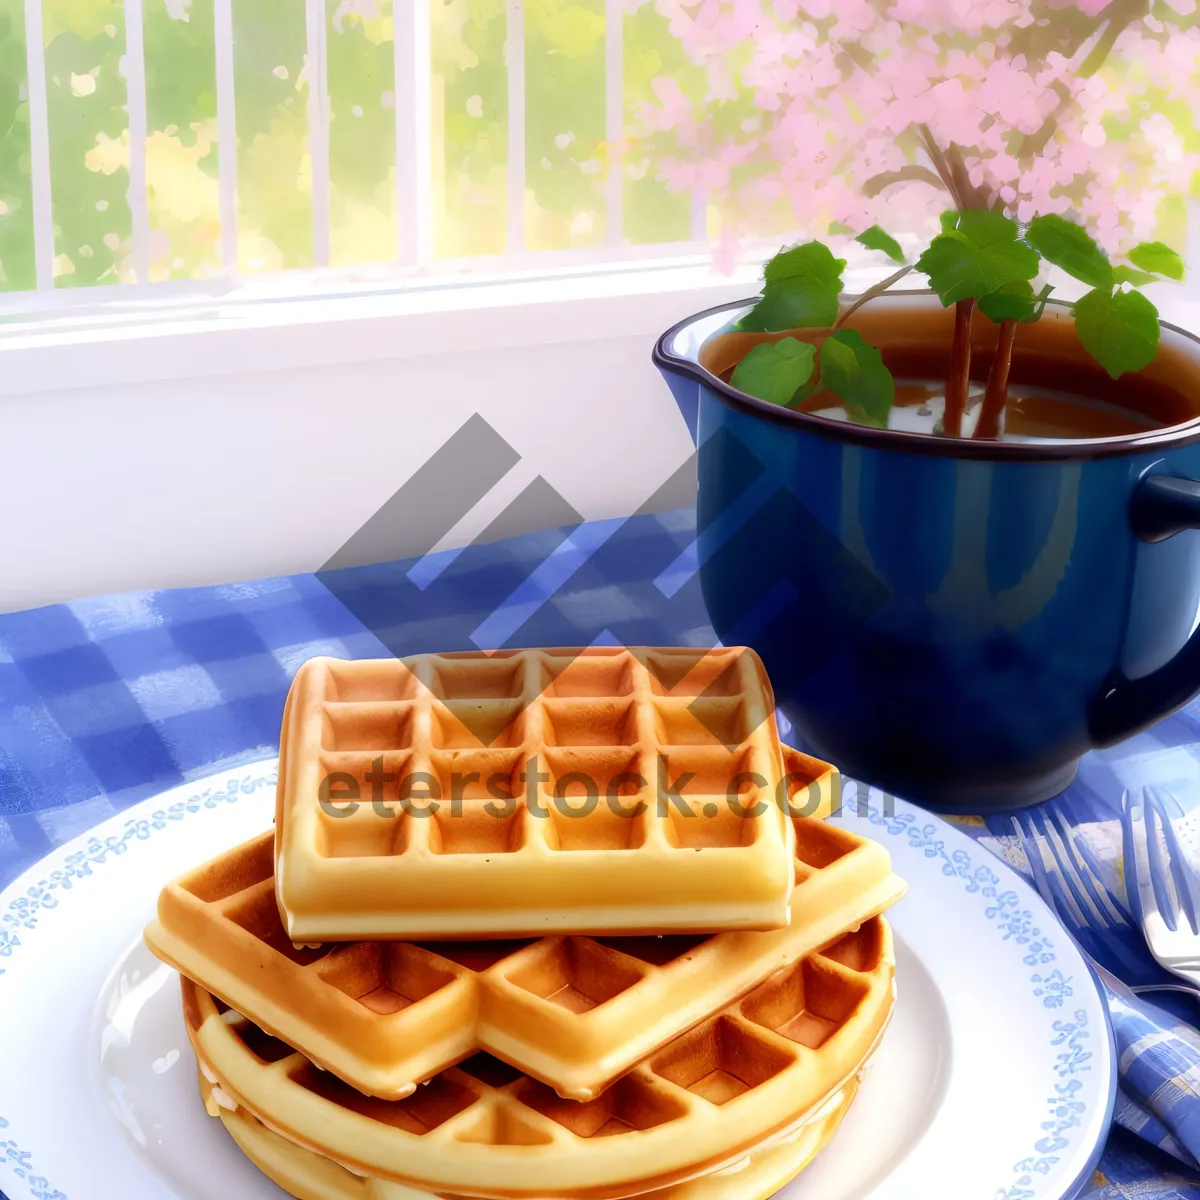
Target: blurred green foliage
x,y
470,127
651,212
362,134
565,151
89,140
182,160
16,205
274,166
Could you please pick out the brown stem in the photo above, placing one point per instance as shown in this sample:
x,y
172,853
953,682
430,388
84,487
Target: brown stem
x,y
1120,17
959,380
940,165
885,179
874,290
971,196
1038,38
991,415
951,167
1032,144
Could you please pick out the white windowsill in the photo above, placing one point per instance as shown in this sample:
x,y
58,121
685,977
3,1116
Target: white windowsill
x,y
192,338
263,329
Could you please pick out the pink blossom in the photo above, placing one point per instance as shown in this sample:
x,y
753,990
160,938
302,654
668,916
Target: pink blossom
x,y
832,95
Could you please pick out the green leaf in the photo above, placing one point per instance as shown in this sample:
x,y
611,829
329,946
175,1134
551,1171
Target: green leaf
x,y
1132,275
1070,247
1158,258
812,260
1118,329
1013,302
977,258
854,370
949,220
773,371
793,304
801,291
839,227
876,239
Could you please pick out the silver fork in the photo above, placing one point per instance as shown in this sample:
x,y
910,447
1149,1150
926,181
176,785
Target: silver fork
x,y
1167,889
1068,880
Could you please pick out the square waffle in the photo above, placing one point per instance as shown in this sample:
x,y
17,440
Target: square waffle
x,y
751,1075
525,792
574,1012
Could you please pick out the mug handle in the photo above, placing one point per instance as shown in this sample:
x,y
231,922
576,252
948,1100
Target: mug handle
x,y
1160,507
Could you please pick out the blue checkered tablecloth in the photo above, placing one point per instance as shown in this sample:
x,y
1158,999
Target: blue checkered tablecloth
x,y
106,701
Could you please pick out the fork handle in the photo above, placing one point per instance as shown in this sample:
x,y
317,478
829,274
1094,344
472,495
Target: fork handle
x,y
1142,989
1161,506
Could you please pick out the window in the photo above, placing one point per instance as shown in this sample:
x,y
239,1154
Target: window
x,y
168,144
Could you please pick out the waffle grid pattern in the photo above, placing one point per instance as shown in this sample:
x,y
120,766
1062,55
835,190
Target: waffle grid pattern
x,y
447,783
701,1100
573,1011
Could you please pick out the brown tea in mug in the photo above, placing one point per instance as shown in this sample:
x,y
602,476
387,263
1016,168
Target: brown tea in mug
x,y
1032,414
1056,391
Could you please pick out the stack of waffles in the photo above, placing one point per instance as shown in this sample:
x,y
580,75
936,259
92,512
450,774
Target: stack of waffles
x,y
539,924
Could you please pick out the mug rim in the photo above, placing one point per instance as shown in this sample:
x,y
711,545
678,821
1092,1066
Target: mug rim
x,y
903,441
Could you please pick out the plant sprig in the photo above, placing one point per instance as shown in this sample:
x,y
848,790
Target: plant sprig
x,y
980,257
1118,328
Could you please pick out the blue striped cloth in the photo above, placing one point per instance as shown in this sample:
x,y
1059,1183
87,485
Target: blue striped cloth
x,y
106,701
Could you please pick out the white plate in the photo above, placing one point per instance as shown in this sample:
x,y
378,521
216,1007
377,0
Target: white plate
x,y
995,1081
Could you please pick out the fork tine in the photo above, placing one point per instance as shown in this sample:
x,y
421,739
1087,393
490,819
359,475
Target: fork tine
x,y
1169,804
1062,841
1168,907
1048,882
1090,871
1137,853
1181,874
1071,884
1105,934
1037,866
1175,949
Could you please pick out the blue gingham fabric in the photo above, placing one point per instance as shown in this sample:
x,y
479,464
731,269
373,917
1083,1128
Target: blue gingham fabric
x,y
106,701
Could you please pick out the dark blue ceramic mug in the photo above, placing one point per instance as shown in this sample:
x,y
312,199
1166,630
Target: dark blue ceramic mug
x,y
955,621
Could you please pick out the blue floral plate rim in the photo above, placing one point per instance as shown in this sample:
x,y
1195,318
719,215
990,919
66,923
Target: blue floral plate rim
x,y
1060,983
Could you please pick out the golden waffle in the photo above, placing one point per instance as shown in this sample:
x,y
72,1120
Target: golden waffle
x,y
530,791
309,1176
756,1071
574,1012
